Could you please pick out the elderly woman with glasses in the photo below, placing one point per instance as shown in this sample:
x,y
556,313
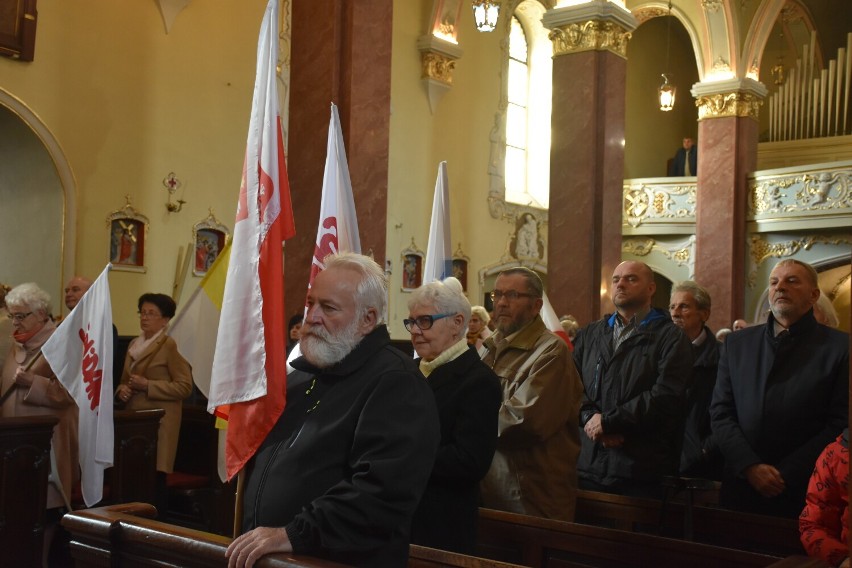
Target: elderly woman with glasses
x,y
157,376
468,397
30,388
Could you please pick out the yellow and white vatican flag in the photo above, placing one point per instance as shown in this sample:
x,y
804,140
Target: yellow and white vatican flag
x,y
80,352
196,326
439,256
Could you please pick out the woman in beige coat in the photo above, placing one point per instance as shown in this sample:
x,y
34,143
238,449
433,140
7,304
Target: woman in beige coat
x,y
33,390
157,376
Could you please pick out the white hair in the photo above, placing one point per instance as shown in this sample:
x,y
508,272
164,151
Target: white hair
x,y
447,296
29,295
372,290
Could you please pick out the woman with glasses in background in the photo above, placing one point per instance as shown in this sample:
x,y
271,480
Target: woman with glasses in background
x,y
468,397
30,388
157,376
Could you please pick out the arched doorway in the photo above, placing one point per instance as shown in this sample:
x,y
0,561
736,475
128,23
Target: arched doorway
x,y
37,225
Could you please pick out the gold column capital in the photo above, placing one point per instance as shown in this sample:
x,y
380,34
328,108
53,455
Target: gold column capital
x,y
437,66
591,35
722,105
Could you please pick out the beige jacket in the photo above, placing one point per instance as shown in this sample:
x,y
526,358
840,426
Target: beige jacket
x,y
534,471
45,396
170,381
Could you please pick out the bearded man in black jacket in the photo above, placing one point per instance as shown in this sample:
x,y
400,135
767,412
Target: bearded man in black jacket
x,y
341,473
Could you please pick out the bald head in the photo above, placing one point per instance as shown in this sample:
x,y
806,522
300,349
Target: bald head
x,y
74,290
633,287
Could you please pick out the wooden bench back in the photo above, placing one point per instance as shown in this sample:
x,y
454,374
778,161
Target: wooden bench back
x,y
538,542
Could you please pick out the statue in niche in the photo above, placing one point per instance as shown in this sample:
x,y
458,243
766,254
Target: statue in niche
x,y
528,244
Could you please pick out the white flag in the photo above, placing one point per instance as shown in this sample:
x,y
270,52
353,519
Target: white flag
x,y
439,257
80,352
551,321
338,224
249,364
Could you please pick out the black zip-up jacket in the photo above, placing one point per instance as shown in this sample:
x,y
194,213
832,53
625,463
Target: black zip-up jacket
x,y
345,466
640,392
701,456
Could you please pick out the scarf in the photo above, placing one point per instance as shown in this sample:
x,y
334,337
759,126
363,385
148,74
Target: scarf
x,y
453,352
139,344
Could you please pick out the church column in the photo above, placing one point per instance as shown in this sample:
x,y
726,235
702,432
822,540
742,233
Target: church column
x,y
587,154
727,152
341,53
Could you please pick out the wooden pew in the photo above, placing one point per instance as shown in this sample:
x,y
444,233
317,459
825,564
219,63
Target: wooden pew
x,y
721,527
24,467
534,541
133,474
126,535
197,498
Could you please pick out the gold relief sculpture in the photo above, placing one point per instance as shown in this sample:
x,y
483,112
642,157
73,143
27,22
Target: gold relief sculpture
x,y
642,15
638,247
644,203
767,196
827,190
590,35
728,104
680,254
438,67
761,249
711,6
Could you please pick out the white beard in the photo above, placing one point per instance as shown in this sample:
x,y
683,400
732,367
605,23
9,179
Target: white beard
x,y
324,349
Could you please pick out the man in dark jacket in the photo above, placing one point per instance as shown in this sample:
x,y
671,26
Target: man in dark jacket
x,y
636,365
690,310
781,396
341,473
685,161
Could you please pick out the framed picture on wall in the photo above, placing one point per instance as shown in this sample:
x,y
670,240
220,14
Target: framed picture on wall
x,y
460,266
128,230
412,267
209,237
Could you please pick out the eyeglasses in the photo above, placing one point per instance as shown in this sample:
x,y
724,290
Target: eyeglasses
x,y
149,314
19,317
511,295
423,322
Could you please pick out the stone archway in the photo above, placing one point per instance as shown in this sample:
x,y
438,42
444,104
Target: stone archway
x,y
38,192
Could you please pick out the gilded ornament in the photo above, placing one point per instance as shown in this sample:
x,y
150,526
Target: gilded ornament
x,y
761,250
711,6
588,36
438,67
728,104
642,15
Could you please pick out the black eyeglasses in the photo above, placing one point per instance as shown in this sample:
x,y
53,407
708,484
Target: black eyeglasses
x,y
423,322
19,317
511,295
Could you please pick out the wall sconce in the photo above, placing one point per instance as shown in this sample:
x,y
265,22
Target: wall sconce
x,y
667,95
485,14
171,183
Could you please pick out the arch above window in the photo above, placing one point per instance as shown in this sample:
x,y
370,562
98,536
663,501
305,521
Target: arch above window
x,y
520,139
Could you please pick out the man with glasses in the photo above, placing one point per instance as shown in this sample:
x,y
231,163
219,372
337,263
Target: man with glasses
x,y
534,467
636,365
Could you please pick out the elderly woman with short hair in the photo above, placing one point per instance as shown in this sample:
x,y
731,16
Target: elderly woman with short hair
x,y
157,376
477,328
30,388
468,397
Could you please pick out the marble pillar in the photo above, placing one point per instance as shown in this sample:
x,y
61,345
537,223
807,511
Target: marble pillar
x,y
586,156
727,152
341,53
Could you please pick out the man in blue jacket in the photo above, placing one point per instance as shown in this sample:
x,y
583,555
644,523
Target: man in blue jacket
x,y
636,366
341,473
782,394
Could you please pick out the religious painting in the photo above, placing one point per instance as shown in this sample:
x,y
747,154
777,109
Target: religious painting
x,y
460,267
412,267
209,237
127,232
